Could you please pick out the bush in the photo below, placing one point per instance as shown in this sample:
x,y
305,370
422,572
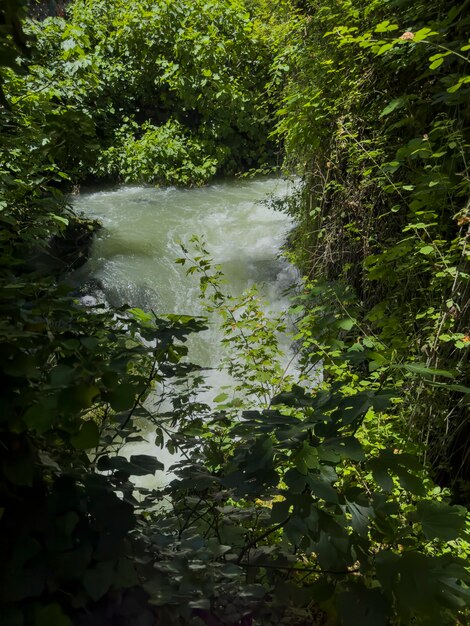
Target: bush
x,y
161,155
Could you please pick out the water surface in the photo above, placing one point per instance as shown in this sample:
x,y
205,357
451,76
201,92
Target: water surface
x,y
133,257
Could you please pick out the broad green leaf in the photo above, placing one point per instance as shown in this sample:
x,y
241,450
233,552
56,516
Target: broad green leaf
x,y
426,250
306,458
423,33
363,606
296,529
41,417
137,465
346,324
51,614
360,516
296,397
391,106
221,397
381,475
88,437
385,48
341,448
280,511
230,570
98,580
423,370
123,397
295,481
459,388
423,585
352,407
440,520
62,376
322,489
437,63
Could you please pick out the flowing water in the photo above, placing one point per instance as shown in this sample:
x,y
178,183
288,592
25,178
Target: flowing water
x,y
133,256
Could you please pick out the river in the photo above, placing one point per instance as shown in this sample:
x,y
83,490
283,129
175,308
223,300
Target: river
x,y
133,257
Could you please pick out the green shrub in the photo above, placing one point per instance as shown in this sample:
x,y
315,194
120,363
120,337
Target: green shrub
x,y
163,155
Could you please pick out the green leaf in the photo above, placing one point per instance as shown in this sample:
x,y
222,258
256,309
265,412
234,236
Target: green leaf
x,y
341,448
361,606
295,480
384,48
423,33
62,376
280,511
462,81
88,437
382,27
402,465
391,106
41,416
423,585
381,475
230,570
410,482
296,397
98,580
423,370
360,516
352,407
440,520
306,458
459,388
426,250
322,489
126,574
296,529
346,324
123,397
82,396
60,219
221,397
138,464
51,614
437,63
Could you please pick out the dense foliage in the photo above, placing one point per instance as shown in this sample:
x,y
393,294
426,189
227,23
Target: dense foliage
x,y
300,498
167,92
376,112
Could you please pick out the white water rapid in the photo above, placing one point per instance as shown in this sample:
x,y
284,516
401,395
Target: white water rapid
x,y
133,256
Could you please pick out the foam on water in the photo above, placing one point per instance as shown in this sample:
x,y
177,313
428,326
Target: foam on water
x,y
133,257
